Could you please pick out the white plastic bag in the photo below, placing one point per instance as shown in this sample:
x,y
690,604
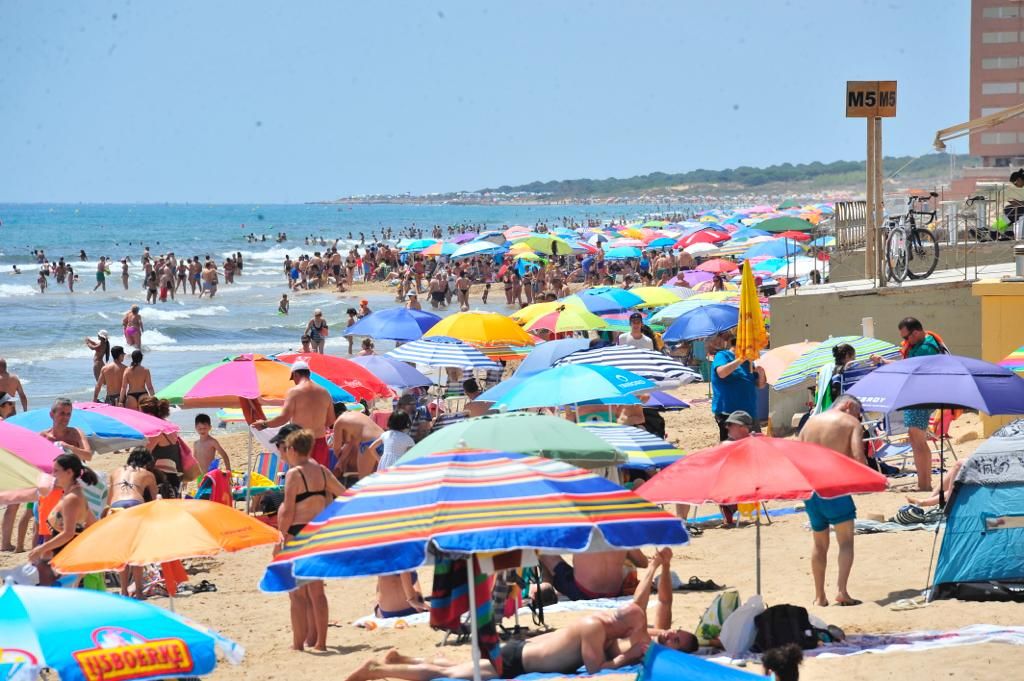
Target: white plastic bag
x,y
738,631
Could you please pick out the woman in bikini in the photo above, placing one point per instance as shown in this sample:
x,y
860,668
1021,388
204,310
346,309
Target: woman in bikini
x,y
137,382
100,352
69,517
308,489
132,323
131,485
172,461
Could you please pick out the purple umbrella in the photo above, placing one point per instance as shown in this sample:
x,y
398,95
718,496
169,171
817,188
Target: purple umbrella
x,y
463,237
694,277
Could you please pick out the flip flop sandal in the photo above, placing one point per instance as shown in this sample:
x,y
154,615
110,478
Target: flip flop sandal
x,y
694,531
849,603
204,587
697,584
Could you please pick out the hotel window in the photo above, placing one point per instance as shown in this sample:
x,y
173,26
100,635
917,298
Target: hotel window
x,y
999,138
999,88
989,110
1000,63
993,37
1001,12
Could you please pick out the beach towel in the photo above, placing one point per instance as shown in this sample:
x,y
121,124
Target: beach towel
x,y
450,600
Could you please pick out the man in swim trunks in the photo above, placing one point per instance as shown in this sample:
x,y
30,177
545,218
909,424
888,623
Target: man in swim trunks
x,y
603,640
595,574
11,384
111,376
840,429
354,432
309,406
101,274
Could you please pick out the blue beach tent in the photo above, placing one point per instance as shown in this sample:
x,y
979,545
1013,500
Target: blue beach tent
x,y
981,556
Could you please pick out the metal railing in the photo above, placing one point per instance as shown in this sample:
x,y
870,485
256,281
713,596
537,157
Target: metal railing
x,y
849,222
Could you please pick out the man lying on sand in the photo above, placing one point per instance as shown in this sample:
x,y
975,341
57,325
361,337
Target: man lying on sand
x,y
605,640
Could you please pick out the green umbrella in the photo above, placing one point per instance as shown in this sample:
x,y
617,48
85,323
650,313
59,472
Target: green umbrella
x,y
524,433
784,224
789,203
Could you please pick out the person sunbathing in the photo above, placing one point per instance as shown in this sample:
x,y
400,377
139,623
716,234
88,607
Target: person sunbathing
x,y
594,641
947,487
661,630
597,574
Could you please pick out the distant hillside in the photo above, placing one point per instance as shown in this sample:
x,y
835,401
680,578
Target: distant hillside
x,y
808,175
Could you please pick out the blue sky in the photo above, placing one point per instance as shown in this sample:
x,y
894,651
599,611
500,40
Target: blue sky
x,y
294,101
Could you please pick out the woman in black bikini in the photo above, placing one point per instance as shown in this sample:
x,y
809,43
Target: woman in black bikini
x,y
308,489
131,485
137,383
69,517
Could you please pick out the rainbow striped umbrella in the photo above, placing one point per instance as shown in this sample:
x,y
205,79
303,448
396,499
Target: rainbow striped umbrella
x,y
642,449
244,377
1014,361
806,366
464,502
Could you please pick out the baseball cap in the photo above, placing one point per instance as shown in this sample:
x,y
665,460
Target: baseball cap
x,y
6,399
285,431
740,418
636,315
299,366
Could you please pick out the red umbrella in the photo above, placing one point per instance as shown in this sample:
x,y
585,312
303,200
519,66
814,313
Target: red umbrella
x,y
718,265
796,236
342,372
757,469
706,236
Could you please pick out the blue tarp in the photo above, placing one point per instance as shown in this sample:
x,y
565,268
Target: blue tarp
x,y
665,664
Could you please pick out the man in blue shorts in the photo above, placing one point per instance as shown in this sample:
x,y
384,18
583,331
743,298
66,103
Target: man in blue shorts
x,y
838,428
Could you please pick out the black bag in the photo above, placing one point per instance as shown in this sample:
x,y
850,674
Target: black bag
x,y
782,624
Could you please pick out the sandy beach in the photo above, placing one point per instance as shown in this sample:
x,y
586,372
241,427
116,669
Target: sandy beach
x,y
888,567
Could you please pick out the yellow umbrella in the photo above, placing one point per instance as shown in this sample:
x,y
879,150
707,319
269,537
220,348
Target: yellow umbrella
x,y
751,335
520,247
481,329
567,318
655,296
548,244
526,255
713,296
530,313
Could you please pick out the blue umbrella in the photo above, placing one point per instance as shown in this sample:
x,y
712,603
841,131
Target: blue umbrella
x,y
662,242
776,248
656,399
702,322
575,383
676,310
544,355
396,323
105,434
418,245
622,253
480,247
86,635
393,372
604,299
748,233
443,351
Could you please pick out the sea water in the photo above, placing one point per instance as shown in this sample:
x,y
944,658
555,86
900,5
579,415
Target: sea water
x,y
44,335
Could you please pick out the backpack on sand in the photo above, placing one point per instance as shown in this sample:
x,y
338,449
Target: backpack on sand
x,y
782,624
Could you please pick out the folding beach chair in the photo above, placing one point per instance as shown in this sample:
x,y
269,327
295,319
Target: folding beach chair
x,y
888,441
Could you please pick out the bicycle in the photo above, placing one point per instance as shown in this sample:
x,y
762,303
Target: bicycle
x,y
911,251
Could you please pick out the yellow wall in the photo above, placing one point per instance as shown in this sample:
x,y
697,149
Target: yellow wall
x,y
1002,328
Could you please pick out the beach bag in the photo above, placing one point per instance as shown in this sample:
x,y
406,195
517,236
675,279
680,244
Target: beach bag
x,y
739,631
783,624
710,625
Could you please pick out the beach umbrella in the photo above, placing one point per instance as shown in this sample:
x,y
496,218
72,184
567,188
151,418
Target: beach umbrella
x,y
705,236
649,364
25,460
534,434
108,428
681,292
443,351
463,503
789,203
567,319
393,372
701,249
546,244
643,450
483,247
757,469
661,242
602,299
1014,361
796,236
751,334
655,399
657,296
718,266
440,248
525,315
529,257
463,237
784,224
395,323
702,322
625,242
674,311
775,361
824,242
480,329
86,635
354,378
694,277
544,355
776,248
162,531
622,253
748,233
418,245
805,368
798,266
248,379
572,384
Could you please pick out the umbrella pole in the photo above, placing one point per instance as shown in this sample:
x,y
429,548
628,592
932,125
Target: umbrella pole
x,y
473,634
248,473
757,550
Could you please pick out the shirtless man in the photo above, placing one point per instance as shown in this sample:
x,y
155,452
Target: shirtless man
x,y
111,376
353,433
72,439
306,405
839,428
662,631
594,574
11,384
593,641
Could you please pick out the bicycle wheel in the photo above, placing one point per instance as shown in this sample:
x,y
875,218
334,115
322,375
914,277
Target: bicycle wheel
x,y
922,254
896,255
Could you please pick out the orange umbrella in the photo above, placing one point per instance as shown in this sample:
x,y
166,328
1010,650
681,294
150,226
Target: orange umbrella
x,y
162,531
718,265
777,360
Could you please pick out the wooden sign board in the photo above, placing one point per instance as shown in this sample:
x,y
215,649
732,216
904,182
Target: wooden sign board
x,y
870,98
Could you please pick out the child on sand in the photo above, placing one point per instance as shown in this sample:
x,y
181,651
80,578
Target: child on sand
x,y
207,446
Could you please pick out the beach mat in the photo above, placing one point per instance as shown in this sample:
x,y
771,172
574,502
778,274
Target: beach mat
x,y
372,621
867,526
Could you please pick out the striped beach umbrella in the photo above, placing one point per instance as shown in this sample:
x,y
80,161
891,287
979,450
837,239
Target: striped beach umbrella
x,y
805,368
571,384
1014,361
442,351
565,319
651,365
465,502
601,299
642,449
